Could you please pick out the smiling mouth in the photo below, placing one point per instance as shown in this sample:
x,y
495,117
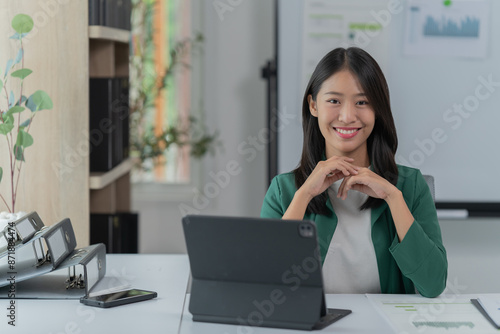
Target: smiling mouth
x,y
347,132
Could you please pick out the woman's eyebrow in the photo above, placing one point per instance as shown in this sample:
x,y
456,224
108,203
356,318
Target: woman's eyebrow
x,y
333,93
340,94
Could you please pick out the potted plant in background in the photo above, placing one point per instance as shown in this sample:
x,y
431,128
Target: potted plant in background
x,y
148,145
17,112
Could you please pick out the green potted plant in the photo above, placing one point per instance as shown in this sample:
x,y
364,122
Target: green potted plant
x,y
148,145
17,112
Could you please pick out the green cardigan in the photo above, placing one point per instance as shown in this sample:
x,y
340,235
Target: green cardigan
x,y
417,262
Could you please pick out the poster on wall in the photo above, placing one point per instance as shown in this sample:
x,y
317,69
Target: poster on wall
x,y
329,24
458,28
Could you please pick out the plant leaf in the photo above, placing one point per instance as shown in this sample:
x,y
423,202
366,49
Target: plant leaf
x,y
30,104
1,84
8,67
23,73
8,119
15,110
41,100
19,56
23,98
5,128
17,36
12,99
19,153
25,123
24,139
22,23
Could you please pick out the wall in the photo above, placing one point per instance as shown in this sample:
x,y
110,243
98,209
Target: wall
x,y
55,176
473,248
238,42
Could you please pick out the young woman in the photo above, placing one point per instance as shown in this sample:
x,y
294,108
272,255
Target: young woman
x,y
377,225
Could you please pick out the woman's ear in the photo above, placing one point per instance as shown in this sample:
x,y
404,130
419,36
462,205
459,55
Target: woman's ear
x,y
313,108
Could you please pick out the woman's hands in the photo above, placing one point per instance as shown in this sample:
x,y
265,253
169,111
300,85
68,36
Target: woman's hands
x,y
326,173
355,178
367,182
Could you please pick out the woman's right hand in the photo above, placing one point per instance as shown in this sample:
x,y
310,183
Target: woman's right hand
x,y
326,173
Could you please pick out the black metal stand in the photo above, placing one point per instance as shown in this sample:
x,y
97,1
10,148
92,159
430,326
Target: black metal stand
x,y
269,73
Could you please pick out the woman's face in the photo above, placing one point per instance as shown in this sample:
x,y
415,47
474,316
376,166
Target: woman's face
x,y
345,116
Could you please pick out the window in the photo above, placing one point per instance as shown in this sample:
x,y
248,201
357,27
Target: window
x,y
161,56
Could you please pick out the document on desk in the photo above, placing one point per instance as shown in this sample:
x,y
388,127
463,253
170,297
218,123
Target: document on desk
x,y
489,306
446,314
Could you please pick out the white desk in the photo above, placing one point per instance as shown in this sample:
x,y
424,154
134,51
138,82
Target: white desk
x,y
166,274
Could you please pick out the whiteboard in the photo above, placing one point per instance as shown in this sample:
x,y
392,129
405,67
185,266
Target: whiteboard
x,y
460,148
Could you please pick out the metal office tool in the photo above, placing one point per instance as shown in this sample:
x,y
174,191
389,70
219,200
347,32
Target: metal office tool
x,y
36,266
39,255
20,231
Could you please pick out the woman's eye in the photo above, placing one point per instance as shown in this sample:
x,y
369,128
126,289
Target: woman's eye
x,y
362,103
333,101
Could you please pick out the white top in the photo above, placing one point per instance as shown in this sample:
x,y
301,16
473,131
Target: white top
x,y
351,265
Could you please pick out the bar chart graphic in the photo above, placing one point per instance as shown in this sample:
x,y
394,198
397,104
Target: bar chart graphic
x,y
460,29
467,27
444,324
448,313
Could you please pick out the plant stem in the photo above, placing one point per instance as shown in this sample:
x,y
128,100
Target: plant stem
x,y
20,165
10,148
6,94
14,189
12,170
6,205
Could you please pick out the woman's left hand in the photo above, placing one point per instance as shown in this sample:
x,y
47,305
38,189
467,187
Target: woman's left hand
x,y
367,182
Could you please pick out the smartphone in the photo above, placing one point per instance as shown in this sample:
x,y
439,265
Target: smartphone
x,y
118,298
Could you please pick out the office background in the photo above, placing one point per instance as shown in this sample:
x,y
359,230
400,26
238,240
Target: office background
x,y
238,43
236,49
444,109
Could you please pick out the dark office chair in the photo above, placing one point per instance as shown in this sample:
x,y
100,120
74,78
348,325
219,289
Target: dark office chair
x,y
430,182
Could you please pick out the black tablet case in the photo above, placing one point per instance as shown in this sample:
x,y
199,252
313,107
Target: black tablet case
x,y
256,272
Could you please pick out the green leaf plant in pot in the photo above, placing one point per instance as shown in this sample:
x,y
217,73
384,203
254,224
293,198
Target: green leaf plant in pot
x,y
17,112
148,145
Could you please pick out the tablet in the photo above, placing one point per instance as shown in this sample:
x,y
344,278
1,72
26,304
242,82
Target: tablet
x,y
256,272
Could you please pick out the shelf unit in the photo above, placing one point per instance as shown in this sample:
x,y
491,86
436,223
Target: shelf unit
x,y
109,57
101,180
109,34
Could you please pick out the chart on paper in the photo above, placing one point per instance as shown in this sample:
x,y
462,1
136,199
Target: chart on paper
x,y
331,24
460,29
416,314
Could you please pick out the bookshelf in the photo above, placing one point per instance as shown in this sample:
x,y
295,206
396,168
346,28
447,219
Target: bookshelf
x,y
109,58
111,221
109,34
99,180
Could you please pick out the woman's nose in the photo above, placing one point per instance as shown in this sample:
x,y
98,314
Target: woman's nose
x,y
347,113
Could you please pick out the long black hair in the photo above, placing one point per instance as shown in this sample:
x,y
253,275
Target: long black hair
x,y
382,142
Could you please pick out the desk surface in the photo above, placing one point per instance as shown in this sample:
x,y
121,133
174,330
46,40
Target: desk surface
x,y
166,274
